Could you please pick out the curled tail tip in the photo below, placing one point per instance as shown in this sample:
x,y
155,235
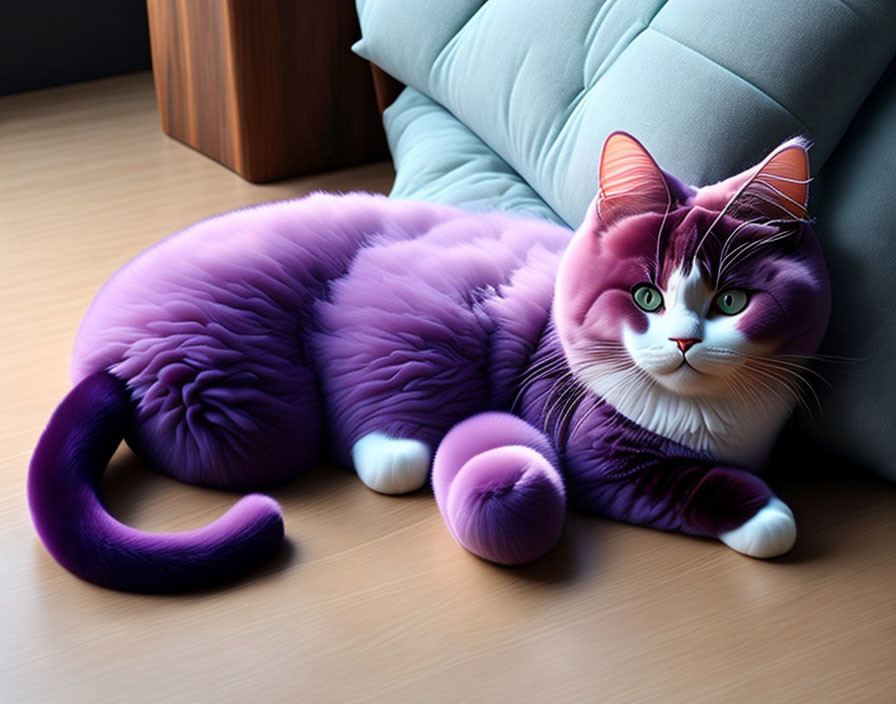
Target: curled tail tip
x,y
507,505
498,489
258,513
261,505
74,525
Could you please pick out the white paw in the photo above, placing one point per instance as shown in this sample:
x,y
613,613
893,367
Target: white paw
x,y
391,465
769,533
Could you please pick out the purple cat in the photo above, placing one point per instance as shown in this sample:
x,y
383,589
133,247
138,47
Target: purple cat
x,y
640,368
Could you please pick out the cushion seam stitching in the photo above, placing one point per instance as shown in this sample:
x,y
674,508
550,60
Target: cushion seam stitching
x,y
736,75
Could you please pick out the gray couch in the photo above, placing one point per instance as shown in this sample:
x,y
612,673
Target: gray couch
x,y
508,102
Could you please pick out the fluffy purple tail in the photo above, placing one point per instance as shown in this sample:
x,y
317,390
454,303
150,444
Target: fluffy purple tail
x,y
497,486
63,493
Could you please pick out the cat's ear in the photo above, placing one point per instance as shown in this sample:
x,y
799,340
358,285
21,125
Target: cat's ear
x,y
777,188
631,183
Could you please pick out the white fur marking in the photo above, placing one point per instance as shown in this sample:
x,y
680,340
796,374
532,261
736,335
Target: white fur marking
x,y
693,405
391,465
769,533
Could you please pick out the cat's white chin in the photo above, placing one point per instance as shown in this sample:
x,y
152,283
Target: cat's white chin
x,y
686,380
695,409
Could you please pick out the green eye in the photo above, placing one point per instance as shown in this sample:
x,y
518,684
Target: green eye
x,y
647,297
732,301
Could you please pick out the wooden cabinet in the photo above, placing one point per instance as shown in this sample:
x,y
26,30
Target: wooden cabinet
x,y
269,88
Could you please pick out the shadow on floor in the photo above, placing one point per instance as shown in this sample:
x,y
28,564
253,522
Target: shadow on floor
x,y
831,498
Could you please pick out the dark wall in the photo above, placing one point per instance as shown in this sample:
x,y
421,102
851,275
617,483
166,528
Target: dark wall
x,y
50,42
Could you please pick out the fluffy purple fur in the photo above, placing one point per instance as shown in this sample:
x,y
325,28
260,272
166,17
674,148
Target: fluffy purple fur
x,y
70,518
496,482
236,342
234,352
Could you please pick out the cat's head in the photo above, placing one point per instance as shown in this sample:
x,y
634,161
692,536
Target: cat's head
x,y
707,291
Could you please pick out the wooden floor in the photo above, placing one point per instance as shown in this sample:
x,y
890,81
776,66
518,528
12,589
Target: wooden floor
x,y
372,600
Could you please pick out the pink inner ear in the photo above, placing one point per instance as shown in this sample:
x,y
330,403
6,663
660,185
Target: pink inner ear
x,y
630,180
779,187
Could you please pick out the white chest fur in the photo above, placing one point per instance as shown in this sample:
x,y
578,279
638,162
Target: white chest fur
x,y
739,433
716,394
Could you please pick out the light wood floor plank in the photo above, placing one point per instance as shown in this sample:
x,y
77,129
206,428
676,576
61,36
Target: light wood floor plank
x,y
372,601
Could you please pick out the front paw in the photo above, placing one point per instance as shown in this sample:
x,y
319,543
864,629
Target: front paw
x,y
769,533
391,465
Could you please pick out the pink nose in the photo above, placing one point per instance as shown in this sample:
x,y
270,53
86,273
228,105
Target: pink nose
x,y
685,343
